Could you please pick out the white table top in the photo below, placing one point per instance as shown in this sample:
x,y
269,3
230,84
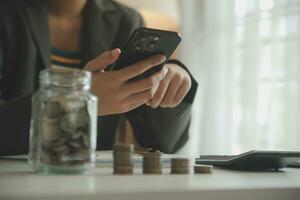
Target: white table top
x,y
18,181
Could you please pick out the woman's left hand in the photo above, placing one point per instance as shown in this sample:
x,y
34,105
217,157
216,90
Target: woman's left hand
x,y
172,89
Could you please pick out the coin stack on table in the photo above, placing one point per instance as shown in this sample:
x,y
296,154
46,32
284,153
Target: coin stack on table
x,y
180,166
151,162
65,132
203,169
123,158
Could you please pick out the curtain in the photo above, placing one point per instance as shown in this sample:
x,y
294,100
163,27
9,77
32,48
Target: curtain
x,y
245,54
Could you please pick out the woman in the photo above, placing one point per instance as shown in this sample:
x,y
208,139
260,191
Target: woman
x,y
38,34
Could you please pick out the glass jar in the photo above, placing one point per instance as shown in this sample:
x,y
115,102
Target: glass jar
x,y
63,132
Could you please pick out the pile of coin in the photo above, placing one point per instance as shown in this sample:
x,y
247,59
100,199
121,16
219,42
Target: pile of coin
x,y
151,162
65,128
180,166
123,158
203,169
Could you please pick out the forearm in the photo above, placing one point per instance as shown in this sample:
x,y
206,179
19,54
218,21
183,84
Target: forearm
x,y
165,129
170,126
162,128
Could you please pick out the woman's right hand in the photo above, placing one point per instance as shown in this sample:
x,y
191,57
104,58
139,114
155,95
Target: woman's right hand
x,y
116,94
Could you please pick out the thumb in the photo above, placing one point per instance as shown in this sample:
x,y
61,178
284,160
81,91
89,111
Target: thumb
x,y
102,61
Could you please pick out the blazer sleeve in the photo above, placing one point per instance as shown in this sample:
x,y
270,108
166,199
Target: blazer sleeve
x,y
165,129
14,126
14,113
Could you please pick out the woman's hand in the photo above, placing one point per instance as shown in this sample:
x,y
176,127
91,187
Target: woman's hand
x,y
172,89
116,94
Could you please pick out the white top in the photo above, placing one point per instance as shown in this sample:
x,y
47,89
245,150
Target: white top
x,y
18,181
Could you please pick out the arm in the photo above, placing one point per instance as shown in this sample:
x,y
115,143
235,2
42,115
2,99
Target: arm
x,y
163,128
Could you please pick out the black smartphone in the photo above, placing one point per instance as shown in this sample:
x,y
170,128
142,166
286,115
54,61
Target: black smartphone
x,y
146,42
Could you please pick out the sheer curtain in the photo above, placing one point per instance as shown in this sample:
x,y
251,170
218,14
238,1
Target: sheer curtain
x,y
245,55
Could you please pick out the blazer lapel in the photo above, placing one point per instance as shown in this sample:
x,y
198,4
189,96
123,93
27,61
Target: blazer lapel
x,y
38,21
101,21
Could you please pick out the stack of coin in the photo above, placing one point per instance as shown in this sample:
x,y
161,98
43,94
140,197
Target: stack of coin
x,y
151,162
123,158
180,166
203,169
65,132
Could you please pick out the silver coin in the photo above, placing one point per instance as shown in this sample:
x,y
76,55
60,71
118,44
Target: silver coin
x,y
85,140
51,129
71,104
72,121
77,134
53,108
60,149
75,143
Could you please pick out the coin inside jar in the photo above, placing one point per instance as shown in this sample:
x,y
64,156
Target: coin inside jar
x,y
53,108
73,104
51,129
66,126
72,121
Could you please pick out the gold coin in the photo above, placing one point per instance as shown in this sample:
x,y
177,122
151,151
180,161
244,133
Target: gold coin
x,y
203,169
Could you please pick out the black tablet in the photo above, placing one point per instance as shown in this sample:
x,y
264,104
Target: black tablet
x,y
252,160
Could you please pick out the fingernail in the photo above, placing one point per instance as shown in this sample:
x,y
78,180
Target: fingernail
x,y
115,52
163,58
163,105
165,71
160,58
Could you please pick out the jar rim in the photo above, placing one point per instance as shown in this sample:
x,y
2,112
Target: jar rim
x,y
65,77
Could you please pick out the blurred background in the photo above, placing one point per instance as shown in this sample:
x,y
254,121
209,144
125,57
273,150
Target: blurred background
x,y
245,55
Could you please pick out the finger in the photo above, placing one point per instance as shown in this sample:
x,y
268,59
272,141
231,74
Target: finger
x,y
140,97
147,83
160,93
102,61
134,106
141,66
170,94
182,92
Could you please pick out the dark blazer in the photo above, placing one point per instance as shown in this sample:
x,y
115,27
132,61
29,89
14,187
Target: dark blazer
x,y
25,51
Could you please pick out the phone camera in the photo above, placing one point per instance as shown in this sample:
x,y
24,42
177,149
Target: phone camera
x,y
152,45
137,48
143,39
156,38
